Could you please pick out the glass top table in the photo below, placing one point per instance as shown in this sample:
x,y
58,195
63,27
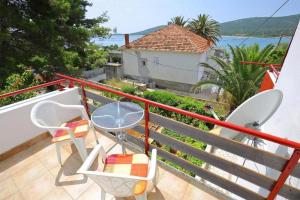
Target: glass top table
x,y
118,117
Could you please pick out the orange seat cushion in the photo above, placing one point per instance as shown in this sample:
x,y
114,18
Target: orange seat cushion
x,y
129,164
80,129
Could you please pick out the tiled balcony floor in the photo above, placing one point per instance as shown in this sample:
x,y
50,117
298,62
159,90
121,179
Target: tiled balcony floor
x,y
35,174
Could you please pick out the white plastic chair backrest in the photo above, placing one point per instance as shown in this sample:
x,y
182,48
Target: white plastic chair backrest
x,y
48,113
118,186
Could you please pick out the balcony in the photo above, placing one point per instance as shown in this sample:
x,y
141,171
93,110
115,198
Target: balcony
x,y
35,173
29,168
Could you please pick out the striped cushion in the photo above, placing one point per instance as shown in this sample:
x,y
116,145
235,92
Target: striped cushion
x,y
129,164
80,129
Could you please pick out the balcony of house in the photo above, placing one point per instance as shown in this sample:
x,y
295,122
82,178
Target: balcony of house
x,y
29,168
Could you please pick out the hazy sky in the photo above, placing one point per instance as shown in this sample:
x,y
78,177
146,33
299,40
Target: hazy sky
x,y
136,15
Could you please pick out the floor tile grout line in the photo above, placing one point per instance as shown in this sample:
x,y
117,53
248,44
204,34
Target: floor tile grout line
x,y
55,179
84,191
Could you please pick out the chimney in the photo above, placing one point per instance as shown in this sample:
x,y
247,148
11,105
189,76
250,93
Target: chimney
x,y
209,42
127,41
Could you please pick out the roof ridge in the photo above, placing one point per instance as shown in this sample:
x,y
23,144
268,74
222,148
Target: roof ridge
x,y
172,38
190,38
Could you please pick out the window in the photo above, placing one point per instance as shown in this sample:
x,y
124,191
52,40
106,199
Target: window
x,y
205,75
156,60
143,62
219,53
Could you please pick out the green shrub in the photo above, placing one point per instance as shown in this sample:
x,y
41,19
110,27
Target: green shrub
x,y
188,140
176,166
17,82
129,89
184,103
110,95
163,97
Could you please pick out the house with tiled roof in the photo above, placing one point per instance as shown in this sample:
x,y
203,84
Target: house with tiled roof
x,y
170,57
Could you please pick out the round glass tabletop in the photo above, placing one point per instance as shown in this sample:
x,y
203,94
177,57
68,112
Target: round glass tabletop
x,y
117,116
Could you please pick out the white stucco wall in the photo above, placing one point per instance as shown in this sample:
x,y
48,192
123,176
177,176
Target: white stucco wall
x,y
173,66
15,122
285,122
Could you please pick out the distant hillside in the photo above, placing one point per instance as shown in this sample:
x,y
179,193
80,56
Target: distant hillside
x,y
276,26
149,30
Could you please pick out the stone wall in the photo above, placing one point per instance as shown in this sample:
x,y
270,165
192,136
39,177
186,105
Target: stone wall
x,y
113,71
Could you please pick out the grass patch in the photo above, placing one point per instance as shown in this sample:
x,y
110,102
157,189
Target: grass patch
x,y
117,83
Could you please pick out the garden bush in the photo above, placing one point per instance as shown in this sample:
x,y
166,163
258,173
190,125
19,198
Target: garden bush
x,y
129,89
188,140
184,103
17,82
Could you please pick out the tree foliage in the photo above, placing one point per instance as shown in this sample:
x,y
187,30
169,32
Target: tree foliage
x,y
16,82
277,56
240,80
276,26
49,36
206,27
178,20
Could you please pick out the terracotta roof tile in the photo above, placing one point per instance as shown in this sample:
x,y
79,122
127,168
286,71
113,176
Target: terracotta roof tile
x,y
172,38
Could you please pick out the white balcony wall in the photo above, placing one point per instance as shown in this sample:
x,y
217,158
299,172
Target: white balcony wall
x,y
15,122
285,121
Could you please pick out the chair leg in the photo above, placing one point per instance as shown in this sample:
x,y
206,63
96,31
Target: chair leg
x,y
96,138
103,194
57,145
80,145
141,196
155,180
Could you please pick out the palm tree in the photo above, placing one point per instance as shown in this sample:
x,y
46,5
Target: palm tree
x,y
239,80
178,20
206,27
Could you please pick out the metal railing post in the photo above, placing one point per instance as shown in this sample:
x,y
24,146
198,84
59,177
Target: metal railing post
x,y
61,87
288,168
146,128
84,100
71,84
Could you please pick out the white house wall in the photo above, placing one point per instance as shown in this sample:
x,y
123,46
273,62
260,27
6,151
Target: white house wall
x,y
173,66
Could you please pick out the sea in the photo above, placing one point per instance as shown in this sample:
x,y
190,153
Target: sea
x,y
118,39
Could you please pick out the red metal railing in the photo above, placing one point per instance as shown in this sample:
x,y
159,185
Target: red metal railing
x,y
245,130
10,94
278,66
277,186
267,82
290,165
272,67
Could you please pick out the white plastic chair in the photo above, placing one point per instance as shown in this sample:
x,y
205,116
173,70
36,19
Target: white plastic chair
x,y
50,115
119,185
